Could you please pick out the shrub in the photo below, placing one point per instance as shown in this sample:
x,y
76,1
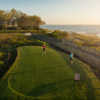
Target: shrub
x,y
18,31
1,55
1,62
59,34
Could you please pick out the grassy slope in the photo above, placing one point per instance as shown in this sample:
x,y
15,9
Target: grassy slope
x,y
47,77
88,77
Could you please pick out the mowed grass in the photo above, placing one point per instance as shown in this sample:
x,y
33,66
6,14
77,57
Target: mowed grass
x,y
48,77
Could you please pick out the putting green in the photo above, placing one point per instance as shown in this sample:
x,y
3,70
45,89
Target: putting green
x,y
49,77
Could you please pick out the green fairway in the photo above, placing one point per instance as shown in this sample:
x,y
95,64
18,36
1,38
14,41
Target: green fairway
x,y
49,77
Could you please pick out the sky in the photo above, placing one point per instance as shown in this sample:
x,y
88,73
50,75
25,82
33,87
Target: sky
x,y
62,12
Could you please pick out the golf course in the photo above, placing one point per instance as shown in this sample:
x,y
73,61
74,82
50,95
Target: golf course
x,y
34,76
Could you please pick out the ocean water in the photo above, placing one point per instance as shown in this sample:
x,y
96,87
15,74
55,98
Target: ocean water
x,y
82,29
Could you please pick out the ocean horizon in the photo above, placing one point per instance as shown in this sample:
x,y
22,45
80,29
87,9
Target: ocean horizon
x,y
81,29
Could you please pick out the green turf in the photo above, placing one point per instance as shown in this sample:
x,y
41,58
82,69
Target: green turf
x,y
48,77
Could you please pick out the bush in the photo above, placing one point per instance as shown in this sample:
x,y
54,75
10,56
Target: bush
x,y
1,62
18,31
1,55
58,34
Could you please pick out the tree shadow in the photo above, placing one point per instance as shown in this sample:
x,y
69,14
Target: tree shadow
x,y
49,88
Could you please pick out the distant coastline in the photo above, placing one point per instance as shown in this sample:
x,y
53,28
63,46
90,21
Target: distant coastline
x,y
80,29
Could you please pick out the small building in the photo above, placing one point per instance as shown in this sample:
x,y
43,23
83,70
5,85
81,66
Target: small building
x,y
49,32
28,34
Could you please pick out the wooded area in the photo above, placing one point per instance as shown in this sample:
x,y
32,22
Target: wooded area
x,y
18,20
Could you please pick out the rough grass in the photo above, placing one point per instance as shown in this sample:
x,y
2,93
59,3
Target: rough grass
x,y
49,77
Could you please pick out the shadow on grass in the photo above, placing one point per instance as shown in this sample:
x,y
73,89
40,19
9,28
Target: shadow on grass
x,y
51,88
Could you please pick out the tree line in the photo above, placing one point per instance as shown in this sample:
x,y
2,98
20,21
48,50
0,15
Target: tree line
x,y
14,19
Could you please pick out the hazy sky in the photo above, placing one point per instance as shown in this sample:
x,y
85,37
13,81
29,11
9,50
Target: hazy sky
x,y
58,11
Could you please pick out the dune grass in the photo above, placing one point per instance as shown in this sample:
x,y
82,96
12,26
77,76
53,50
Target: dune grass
x,y
50,77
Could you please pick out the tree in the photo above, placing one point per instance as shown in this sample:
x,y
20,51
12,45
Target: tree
x,y
60,34
30,22
16,19
24,22
14,13
37,21
13,16
2,19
